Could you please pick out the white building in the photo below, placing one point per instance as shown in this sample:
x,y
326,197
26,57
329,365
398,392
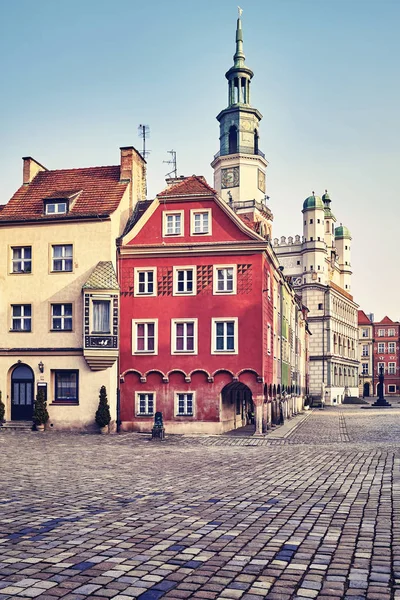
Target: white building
x,y
319,265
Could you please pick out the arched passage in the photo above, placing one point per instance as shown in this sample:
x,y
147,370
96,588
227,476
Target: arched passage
x,y
22,386
237,405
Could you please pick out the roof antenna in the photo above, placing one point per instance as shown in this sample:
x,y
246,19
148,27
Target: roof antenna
x,y
172,162
144,133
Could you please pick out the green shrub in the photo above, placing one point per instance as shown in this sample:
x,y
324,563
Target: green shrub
x,y
103,416
40,414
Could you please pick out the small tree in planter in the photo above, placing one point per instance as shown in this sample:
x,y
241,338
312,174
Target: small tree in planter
x,y
2,411
103,416
40,414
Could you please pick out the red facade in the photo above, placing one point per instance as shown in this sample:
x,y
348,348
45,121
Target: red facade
x,y
196,314
386,355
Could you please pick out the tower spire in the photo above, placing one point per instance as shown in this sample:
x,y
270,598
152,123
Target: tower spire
x,y
239,57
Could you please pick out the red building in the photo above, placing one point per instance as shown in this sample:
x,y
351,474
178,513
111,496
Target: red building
x,y
196,314
386,355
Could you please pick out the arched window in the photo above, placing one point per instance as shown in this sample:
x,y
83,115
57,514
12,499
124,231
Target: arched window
x,y
255,141
233,139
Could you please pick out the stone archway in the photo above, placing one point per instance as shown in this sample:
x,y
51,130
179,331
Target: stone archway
x,y
238,406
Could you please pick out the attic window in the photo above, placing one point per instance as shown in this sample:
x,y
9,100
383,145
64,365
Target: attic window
x,y
55,207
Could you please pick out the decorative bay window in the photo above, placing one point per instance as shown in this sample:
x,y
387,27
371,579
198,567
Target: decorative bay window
x,y
101,317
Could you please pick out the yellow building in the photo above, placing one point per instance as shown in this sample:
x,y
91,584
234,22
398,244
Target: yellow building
x,y
59,311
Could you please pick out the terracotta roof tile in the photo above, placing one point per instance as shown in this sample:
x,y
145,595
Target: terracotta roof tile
x,y
386,321
98,190
363,319
193,185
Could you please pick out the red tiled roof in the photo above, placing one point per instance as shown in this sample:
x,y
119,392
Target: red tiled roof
x,y
341,290
363,319
249,222
386,321
98,190
193,185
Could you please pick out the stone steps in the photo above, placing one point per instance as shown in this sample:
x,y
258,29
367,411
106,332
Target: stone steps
x,y
16,426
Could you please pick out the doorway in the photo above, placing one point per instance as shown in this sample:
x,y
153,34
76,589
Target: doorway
x,y
22,386
238,406
366,390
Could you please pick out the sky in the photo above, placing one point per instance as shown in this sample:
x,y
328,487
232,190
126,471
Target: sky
x,y
79,76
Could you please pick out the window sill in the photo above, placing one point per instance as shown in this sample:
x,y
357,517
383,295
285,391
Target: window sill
x,y
20,330
61,330
20,273
64,403
185,415
145,416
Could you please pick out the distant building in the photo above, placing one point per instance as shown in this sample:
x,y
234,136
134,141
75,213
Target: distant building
x,y
319,267
366,353
59,318
386,355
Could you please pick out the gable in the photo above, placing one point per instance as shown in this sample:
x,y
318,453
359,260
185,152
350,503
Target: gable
x,y
223,227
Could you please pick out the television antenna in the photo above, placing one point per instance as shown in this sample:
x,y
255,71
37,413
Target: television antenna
x,y
144,133
172,162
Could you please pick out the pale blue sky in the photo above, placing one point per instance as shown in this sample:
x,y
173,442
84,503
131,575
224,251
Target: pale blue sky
x,y
78,77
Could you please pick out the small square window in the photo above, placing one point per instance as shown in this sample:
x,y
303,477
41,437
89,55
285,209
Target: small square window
x,y
56,207
61,317
62,258
320,306
200,222
21,317
298,262
66,386
311,221
184,281
224,279
21,259
145,337
184,404
391,389
173,223
145,402
146,282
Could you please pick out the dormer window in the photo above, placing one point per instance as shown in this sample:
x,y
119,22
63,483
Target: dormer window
x,y
55,207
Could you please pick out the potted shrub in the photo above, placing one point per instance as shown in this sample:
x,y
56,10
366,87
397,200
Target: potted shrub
x,y
2,411
40,414
103,416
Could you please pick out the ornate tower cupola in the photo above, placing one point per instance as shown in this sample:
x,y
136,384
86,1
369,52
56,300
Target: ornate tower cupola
x,y
239,166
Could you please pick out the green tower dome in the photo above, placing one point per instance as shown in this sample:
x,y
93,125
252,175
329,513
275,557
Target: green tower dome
x,y
312,202
342,232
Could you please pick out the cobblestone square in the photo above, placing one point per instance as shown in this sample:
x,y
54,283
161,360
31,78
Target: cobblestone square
x,y
310,513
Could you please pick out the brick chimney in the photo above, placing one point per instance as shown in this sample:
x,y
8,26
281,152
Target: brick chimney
x,y
31,169
133,170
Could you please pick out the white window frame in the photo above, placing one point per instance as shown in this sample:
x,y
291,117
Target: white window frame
x,y
381,348
139,270
175,322
365,350
175,291
22,318
391,391
136,322
217,292
62,317
391,333
176,403
93,300
200,211
365,333
391,368
214,322
137,403
63,258
379,365
391,347
57,205
21,260
167,213
269,338
364,368
381,333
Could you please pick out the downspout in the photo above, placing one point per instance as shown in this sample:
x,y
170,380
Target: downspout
x,y
118,392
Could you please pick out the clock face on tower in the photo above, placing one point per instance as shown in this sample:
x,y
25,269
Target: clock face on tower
x,y
230,177
261,180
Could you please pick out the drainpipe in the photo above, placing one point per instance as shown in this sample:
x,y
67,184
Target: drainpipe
x,y
323,343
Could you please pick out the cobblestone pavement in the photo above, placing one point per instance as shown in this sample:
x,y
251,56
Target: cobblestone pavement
x,y
314,514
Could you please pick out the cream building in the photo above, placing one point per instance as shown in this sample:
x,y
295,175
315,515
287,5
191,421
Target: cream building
x,y
59,311
319,266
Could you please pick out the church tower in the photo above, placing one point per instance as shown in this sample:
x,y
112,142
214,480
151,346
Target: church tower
x,y
239,166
